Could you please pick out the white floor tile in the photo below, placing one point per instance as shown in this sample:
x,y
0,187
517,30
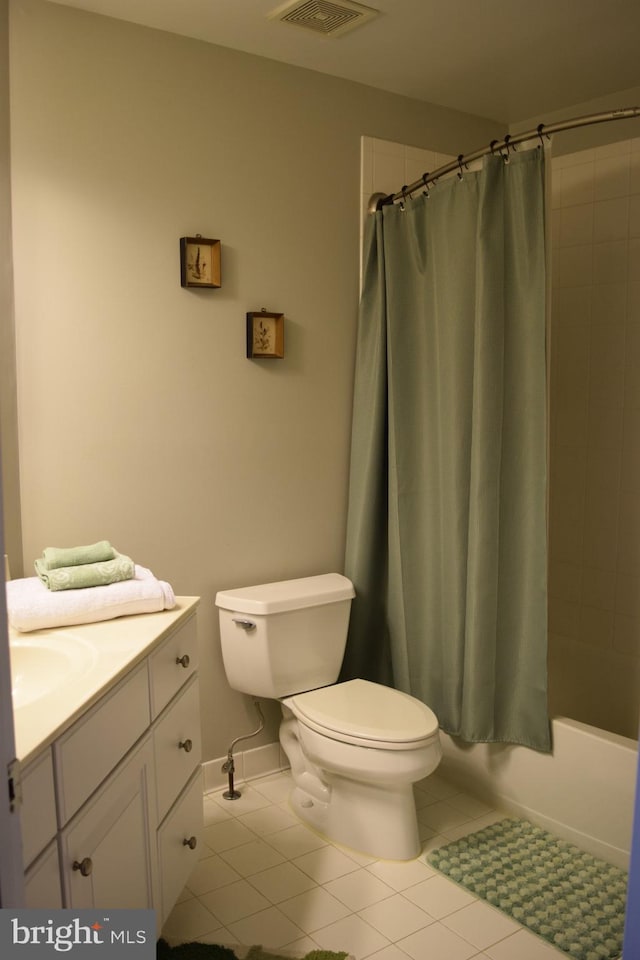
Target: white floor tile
x,y
388,953
326,864
249,799
480,924
225,835
469,805
353,935
187,921
441,815
268,820
395,917
401,875
252,857
359,890
276,787
213,812
282,882
269,927
264,877
235,901
437,941
524,946
315,909
438,896
209,874
295,841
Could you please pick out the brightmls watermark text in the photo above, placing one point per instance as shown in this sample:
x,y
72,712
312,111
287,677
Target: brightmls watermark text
x,y
78,934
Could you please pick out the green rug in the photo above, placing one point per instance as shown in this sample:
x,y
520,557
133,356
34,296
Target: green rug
x,y
567,897
211,951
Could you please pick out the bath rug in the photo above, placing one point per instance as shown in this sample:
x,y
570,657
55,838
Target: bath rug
x,y
572,900
212,951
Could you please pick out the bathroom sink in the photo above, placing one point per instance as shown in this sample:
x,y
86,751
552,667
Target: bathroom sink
x,y
41,666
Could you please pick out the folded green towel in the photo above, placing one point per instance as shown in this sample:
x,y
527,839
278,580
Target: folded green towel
x,y
87,574
55,557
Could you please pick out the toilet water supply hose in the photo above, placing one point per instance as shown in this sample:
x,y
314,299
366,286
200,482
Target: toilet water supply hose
x,y
229,765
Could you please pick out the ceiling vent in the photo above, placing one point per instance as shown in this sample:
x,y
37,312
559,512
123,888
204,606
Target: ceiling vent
x,y
325,17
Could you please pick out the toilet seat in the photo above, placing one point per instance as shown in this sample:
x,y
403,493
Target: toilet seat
x,y
366,714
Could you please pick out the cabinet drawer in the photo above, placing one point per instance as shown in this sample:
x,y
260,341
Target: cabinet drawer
x,y
172,664
38,810
42,882
87,753
177,858
175,763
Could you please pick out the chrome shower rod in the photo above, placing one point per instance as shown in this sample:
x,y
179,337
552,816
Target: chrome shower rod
x,y
499,146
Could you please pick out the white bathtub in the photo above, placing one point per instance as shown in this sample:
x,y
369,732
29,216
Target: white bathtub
x,y
583,791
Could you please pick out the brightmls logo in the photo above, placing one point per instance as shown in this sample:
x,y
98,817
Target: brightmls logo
x,y
79,934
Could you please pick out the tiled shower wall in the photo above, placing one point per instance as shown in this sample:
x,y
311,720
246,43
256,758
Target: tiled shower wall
x,y
594,526
594,529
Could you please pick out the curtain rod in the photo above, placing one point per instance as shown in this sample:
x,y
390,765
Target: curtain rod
x,y
379,200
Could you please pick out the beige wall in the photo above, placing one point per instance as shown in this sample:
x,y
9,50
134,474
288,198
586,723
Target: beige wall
x,y
140,419
594,575
8,398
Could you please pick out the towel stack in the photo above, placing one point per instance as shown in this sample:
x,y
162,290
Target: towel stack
x,y
84,585
73,568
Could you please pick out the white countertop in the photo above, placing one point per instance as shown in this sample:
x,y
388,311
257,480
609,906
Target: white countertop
x,y
115,646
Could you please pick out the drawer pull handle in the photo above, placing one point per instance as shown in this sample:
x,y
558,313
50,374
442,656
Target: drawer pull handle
x,y
186,745
183,661
191,843
84,866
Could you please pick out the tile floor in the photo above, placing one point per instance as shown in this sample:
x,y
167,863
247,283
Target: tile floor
x,y
263,877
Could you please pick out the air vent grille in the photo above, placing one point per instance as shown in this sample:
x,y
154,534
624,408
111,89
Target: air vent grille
x,y
324,17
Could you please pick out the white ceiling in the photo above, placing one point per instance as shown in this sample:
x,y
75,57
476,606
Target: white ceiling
x,y
510,60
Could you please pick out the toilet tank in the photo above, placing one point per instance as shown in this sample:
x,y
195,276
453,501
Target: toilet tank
x,y
286,637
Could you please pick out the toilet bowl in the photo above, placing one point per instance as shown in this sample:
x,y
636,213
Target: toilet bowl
x,y
355,748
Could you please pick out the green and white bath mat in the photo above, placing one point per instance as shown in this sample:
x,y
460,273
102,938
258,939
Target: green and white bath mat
x,y
214,951
567,897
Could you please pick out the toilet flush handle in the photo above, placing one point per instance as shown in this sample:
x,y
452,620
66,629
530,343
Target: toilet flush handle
x,y
245,624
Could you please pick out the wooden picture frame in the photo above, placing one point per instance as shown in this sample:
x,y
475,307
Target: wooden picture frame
x,y
199,262
265,336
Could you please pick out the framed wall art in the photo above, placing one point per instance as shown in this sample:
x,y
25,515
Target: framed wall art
x,y
265,336
199,262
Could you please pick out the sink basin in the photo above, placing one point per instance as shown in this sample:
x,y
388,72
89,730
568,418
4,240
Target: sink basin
x,y
41,666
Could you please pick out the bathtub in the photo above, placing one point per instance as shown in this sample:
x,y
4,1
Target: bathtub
x,y
583,791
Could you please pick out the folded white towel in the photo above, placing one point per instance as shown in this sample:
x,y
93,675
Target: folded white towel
x,y
32,607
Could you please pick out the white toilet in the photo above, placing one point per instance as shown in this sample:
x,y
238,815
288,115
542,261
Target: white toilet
x,y
355,748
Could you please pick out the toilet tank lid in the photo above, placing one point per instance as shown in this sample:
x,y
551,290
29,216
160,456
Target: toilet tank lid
x,y
266,598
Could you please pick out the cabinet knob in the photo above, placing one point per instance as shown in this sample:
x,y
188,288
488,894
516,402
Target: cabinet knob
x,y
84,866
186,745
191,843
183,661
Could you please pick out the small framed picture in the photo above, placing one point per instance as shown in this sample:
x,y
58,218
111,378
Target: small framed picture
x,y
199,262
265,336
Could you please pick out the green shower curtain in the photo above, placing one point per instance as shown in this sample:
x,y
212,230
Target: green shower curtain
x,y
446,535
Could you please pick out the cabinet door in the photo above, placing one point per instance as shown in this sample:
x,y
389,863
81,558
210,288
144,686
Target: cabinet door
x,y
178,844
108,850
42,881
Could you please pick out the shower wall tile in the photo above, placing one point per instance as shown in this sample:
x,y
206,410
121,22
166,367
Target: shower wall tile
x,y
594,515
611,177
608,302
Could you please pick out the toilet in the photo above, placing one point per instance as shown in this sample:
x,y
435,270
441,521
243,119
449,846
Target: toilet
x,y
355,748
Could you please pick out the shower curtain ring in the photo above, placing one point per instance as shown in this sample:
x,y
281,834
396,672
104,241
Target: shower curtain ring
x,y
460,159
540,128
404,197
425,180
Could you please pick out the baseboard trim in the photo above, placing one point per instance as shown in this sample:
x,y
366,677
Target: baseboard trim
x,y
249,764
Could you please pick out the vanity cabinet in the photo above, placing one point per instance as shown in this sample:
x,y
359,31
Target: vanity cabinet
x,y
122,825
